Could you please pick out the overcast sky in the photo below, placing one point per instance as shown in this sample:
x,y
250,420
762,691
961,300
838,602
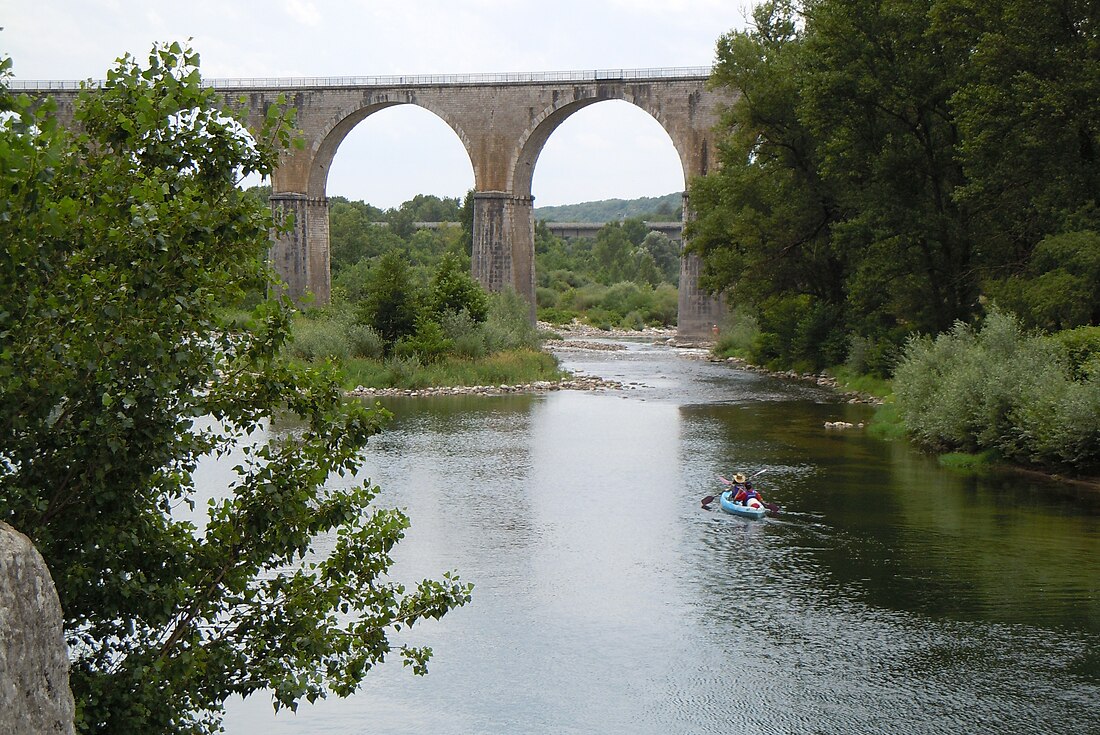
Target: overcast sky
x,y
608,150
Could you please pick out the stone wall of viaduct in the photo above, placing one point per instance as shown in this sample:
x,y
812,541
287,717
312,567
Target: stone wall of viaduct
x,y
503,122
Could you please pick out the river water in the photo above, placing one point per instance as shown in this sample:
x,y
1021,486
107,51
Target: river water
x,y
889,595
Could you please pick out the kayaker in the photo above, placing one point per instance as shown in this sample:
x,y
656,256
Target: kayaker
x,y
747,493
737,487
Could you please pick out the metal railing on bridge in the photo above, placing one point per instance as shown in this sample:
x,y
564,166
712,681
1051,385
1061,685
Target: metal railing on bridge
x,y
410,80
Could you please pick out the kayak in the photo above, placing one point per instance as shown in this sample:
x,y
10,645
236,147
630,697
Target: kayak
x,y
749,511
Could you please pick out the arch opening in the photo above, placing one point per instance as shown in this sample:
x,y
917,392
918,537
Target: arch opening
x,y
387,154
599,149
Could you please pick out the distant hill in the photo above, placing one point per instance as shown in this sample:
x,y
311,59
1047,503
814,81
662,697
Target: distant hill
x,y
665,208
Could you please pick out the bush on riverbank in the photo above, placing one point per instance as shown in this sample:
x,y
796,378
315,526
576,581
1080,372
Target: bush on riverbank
x,y
623,305
999,388
510,367
449,349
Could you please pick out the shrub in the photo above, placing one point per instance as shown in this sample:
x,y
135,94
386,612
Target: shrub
x,y
633,320
454,289
467,336
1000,389
558,316
508,325
318,339
737,333
405,372
624,297
428,342
665,306
583,298
546,298
391,302
1082,348
363,341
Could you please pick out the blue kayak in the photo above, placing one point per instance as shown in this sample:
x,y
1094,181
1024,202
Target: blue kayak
x,y
737,509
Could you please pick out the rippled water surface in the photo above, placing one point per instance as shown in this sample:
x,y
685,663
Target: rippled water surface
x,y
889,595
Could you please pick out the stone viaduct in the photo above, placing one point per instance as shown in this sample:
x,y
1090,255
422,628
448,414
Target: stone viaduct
x,y
503,120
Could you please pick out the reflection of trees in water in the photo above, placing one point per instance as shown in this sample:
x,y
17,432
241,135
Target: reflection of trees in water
x,y
882,523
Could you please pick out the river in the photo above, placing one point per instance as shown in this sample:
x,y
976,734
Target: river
x,y
889,595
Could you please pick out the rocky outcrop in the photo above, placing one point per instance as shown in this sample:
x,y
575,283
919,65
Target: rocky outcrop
x,y
34,667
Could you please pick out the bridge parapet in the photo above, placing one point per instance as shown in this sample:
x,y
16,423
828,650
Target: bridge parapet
x,y
408,80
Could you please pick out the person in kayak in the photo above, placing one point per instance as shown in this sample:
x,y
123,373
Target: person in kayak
x,y
746,492
737,487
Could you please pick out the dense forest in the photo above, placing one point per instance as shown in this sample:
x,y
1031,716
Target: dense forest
x,y
915,167
889,168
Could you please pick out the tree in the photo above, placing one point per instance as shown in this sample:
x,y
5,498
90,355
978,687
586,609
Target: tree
x,y
391,304
666,255
1028,110
453,289
765,218
883,162
877,81
612,252
122,242
357,231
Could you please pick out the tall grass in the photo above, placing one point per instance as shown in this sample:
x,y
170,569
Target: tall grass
x,y
511,367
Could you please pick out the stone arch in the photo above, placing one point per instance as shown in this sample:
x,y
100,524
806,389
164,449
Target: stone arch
x,y
337,128
533,140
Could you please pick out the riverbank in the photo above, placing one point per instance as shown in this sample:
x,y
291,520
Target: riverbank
x,y
820,379
578,336
576,382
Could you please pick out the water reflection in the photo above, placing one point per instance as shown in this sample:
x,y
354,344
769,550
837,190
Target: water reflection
x,y
889,596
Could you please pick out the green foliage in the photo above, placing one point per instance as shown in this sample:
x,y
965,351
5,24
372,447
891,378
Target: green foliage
x,y
428,343
655,209
453,289
1082,349
465,334
360,232
1028,116
883,163
362,340
625,277
1060,287
356,232
319,339
887,423
391,301
124,244
738,333
799,332
513,367
968,463
666,255
1003,390
332,334
508,326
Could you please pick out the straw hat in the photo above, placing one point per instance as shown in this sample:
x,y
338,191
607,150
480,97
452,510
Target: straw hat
x,y
738,477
